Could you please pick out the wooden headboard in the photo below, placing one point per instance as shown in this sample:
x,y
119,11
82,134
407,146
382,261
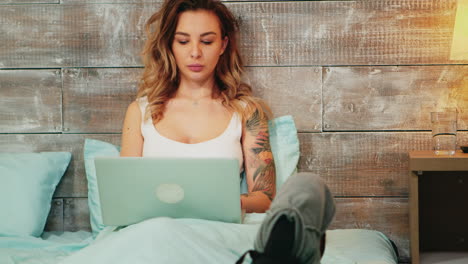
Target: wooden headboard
x,y
359,77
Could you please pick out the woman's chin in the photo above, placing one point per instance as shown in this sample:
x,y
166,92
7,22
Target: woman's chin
x,y
198,77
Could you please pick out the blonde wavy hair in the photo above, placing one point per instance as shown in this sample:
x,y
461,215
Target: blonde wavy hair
x,y
160,79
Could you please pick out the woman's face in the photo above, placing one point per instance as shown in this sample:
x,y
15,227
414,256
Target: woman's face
x,y
197,45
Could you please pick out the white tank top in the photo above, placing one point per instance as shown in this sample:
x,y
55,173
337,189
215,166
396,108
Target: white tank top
x,y
226,145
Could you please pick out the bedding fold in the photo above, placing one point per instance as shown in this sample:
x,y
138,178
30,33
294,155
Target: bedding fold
x,y
50,249
166,240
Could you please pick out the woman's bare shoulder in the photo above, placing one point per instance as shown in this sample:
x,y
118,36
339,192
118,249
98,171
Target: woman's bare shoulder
x,y
133,111
132,140
134,107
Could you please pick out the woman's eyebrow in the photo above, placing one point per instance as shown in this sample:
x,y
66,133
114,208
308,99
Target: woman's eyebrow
x,y
201,35
208,33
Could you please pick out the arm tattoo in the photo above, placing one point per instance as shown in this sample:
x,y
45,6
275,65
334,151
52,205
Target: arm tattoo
x,y
265,182
261,156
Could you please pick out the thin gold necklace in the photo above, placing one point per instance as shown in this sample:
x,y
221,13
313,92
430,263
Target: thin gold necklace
x,y
195,102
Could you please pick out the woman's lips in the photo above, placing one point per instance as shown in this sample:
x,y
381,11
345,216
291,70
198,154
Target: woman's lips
x,y
195,67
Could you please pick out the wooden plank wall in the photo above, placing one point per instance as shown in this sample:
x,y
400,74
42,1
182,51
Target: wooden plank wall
x,y
359,77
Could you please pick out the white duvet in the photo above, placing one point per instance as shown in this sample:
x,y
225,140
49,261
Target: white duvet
x,y
172,241
166,240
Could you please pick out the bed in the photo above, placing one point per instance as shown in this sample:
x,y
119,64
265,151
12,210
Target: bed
x,y
343,246
159,240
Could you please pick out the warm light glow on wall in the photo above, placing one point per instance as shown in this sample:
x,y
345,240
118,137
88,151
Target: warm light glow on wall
x,y
460,33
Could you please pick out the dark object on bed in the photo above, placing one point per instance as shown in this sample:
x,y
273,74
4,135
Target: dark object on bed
x,y
395,248
279,247
304,205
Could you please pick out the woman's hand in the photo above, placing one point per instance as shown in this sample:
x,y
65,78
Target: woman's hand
x,y
259,165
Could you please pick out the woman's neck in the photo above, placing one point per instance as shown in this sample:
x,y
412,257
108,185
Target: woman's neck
x,y
196,90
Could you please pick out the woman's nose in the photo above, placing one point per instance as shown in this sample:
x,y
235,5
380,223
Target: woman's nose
x,y
195,51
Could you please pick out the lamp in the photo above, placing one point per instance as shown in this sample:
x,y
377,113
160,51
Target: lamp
x,y
459,49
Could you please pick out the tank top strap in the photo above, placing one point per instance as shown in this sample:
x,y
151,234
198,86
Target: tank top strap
x,y
243,104
142,103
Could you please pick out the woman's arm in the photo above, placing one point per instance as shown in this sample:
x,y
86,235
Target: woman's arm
x,y
132,140
259,165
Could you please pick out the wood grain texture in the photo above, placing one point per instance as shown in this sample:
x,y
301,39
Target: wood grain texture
x,y
76,215
363,164
272,33
30,101
429,161
73,183
69,35
392,98
25,2
414,216
74,2
95,100
55,218
387,215
295,91
81,2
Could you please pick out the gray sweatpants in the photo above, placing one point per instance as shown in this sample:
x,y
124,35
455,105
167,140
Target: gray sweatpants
x,y
306,199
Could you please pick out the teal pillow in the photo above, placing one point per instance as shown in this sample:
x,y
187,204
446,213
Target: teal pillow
x,y
28,182
350,246
285,148
96,148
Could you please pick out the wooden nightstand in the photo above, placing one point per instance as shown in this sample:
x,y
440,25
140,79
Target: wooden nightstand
x,y
427,161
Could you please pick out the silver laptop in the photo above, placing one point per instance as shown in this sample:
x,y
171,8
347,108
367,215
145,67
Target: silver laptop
x,y
133,189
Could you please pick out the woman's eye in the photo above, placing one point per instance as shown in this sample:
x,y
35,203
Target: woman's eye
x,y
183,42
207,42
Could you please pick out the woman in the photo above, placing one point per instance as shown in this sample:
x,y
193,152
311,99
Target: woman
x,y
191,98
192,103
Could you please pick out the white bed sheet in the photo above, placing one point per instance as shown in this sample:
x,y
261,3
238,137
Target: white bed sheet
x,y
51,248
181,240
